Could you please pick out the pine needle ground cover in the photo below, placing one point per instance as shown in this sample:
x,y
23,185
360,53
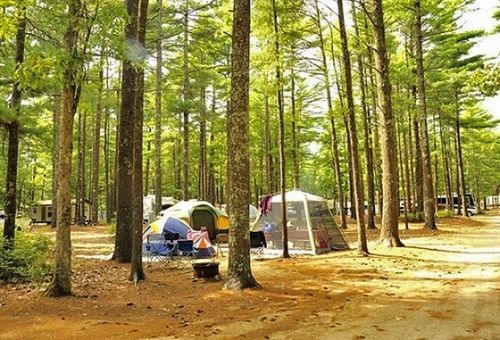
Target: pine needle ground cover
x,y
444,284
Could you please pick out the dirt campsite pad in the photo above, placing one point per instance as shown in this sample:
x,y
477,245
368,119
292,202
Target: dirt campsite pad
x,y
443,285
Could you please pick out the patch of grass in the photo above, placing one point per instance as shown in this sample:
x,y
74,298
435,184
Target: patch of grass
x,y
444,213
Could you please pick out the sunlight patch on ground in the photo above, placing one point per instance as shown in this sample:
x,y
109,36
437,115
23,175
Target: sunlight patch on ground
x,y
485,256
470,274
98,257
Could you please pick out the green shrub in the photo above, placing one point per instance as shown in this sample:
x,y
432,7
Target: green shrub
x,y
444,213
111,228
28,260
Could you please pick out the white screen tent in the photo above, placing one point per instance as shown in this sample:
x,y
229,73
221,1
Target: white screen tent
x,y
311,227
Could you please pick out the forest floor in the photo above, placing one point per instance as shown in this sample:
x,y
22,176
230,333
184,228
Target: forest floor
x,y
442,285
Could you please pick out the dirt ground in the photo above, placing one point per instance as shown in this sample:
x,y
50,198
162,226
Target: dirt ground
x,y
443,285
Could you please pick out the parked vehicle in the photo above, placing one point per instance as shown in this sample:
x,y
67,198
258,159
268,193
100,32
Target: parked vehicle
x,y
41,211
442,203
148,206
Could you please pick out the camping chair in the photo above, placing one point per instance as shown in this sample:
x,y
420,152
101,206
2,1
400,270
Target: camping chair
x,y
186,252
158,248
186,249
257,242
169,236
219,240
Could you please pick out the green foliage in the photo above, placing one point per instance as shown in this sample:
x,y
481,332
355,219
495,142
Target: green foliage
x,y
28,261
444,213
111,229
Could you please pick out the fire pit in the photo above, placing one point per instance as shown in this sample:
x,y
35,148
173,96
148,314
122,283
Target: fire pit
x,y
206,270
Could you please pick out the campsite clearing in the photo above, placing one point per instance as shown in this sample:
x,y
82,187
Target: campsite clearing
x,y
443,285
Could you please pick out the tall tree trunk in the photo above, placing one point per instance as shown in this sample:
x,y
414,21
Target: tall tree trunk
x,y
295,137
158,107
370,181
211,166
341,91
268,142
419,209
83,195
79,167
114,185
125,167
137,272
107,156
147,169
377,160
407,174
203,177
462,201
61,280
446,166
402,174
389,232
185,97
436,164
239,273
9,228
95,149
409,156
429,199
353,136
281,131
80,177
333,139
55,156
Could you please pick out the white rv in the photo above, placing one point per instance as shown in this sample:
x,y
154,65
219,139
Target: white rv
x,y
148,206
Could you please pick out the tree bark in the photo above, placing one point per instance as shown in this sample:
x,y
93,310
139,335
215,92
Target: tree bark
x,y
211,166
389,232
268,143
124,173
281,132
203,173
137,272
446,166
428,185
79,166
377,161
9,228
82,218
370,181
158,107
333,130
61,280
419,208
96,145
55,156
185,97
107,152
295,135
353,136
239,273
462,201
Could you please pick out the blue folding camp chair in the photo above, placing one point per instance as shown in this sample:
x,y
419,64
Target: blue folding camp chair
x,y
158,248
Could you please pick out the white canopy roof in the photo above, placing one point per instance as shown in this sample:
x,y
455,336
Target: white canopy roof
x,y
297,196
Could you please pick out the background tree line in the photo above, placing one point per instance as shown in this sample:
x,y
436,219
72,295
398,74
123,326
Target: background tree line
x,y
319,115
